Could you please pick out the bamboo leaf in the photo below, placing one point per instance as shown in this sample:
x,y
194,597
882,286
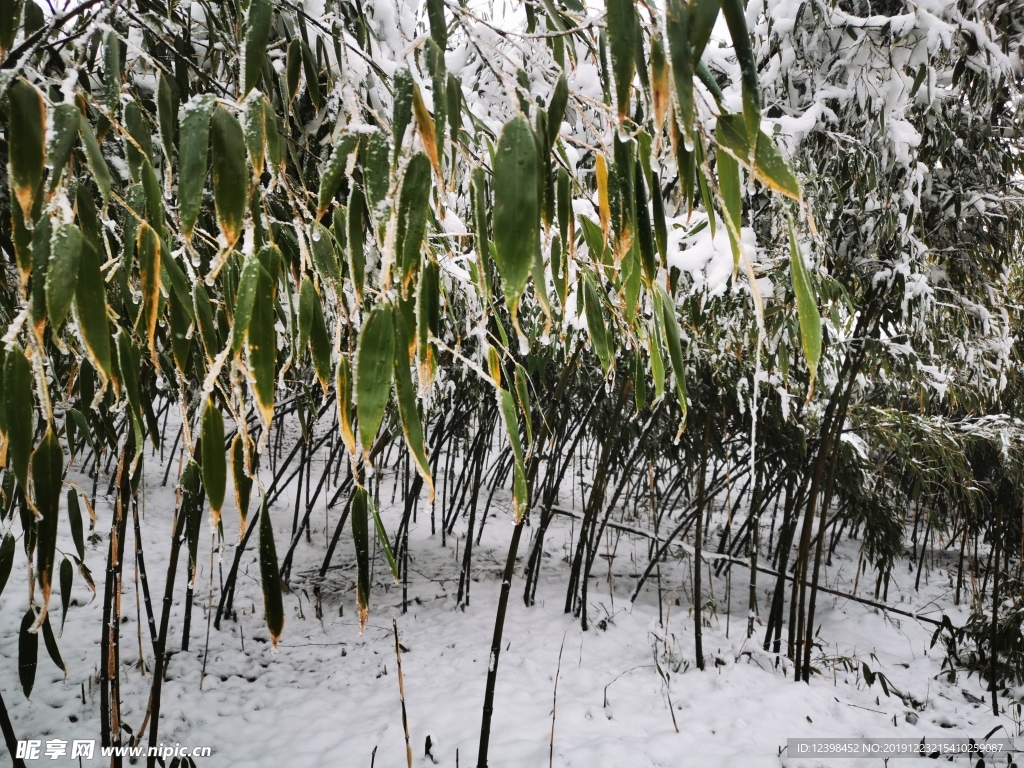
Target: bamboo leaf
x,y
320,345
168,97
93,153
230,174
523,396
6,560
307,298
334,171
67,575
62,272
51,644
205,321
438,28
262,343
735,18
91,310
193,158
425,125
245,299
412,426
677,26
670,334
28,652
402,112
556,108
26,134
730,186
149,248
413,209
621,26
47,476
382,538
596,324
75,519
214,462
361,539
128,365
257,31
62,139
356,220
343,391
659,81
270,577
516,208
19,412
240,478
806,305
325,257
520,494
374,367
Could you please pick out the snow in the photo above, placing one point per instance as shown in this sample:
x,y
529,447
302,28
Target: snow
x,y
329,695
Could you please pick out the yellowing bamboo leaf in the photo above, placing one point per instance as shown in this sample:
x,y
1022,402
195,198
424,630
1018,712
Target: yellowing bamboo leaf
x,y
150,248
412,427
230,174
214,465
26,151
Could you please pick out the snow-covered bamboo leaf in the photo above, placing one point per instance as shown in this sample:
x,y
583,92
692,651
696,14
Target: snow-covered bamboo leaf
x,y
413,211
62,272
257,31
193,160
334,171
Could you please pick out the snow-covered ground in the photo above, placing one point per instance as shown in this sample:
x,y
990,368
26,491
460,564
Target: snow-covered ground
x,y
330,696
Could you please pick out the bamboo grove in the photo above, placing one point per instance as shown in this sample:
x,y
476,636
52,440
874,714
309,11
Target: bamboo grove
x,y
447,248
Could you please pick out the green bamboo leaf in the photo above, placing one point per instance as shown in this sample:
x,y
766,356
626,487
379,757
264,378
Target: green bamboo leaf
x,y
412,426
516,208
192,509
678,31
382,538
193,159
309,69
67,575
666,312
402,112
325,256
806,305
376,163
257,31
335,169
41,237
10,18
62,272
93,153
320,346
428,318
453,91
139,133
240,479
262,343
245,298
51,645
6,560
374,367
28,652
129,365
556,108
26,143
293,67
522,380
480,206
621,26
361,539
735,18
438,27
214,462
91,309
413,210
307,299
112,66
356,221
149,248
260,133
596,324
47,476
62,139
270,577
520,493
230,174
75,519
168,97
730,186
764,161
20,413
205,320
